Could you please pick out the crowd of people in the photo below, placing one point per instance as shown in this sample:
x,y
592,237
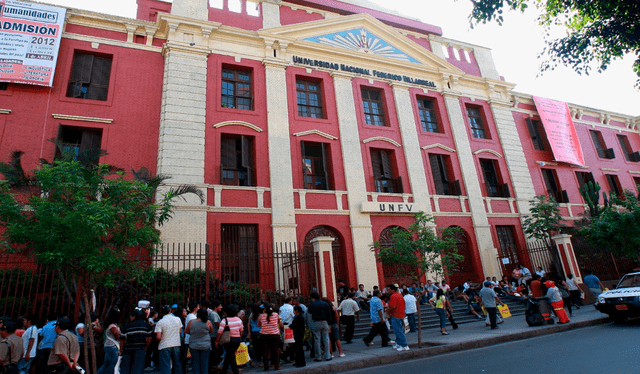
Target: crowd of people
x,y
207,335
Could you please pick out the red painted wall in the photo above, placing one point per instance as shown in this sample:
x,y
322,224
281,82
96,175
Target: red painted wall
x,y
289,16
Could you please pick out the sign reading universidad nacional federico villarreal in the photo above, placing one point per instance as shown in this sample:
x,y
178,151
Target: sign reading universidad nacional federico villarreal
x,y
558,124
386,207
29,42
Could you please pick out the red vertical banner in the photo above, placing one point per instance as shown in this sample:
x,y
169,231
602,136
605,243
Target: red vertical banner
x,y
561,133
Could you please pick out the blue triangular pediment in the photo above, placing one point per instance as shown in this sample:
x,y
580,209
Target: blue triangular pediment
x,y
361,40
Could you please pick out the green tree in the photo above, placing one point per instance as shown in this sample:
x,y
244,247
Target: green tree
x,y
77,214
544,222
421,250
598,31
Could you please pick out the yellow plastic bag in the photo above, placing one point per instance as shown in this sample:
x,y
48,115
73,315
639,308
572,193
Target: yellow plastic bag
x,y
242,354
504,311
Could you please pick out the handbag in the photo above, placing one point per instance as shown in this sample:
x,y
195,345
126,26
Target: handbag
x,y
226,333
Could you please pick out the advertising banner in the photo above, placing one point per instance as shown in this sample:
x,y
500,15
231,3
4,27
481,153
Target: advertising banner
x,y
30,37
561,133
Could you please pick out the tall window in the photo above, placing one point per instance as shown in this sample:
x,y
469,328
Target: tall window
x,y
383,176
553,187
309,99
614,184
79,141
237,89
373,107
237,160
584,178
315,165
428,115
507,240
441,171
239,253
90,76
537,133
629,155
598,142
636,182
492,182
476,123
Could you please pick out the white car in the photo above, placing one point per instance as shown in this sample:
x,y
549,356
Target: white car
x,y
623,301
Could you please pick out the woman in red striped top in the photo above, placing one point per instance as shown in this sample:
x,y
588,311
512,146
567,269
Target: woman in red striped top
x,y
271,325
235,332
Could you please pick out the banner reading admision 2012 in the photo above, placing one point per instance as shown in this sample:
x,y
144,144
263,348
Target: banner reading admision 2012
x,y
29,42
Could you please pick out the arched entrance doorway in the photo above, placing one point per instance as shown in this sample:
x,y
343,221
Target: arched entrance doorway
x,y
339,258
464,269
394,274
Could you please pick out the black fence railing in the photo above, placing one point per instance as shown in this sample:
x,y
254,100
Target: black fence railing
x,y
605,264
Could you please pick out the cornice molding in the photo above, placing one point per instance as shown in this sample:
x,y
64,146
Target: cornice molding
x,y
487,151
238,123
5,111
610,169
381,138
316,132
438,145
70,117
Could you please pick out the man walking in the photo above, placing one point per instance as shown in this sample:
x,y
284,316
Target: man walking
x,y
135,338
378,325
320,314
489,300
396,317
168,331
11,348
349,309
411,309
65,351
30,339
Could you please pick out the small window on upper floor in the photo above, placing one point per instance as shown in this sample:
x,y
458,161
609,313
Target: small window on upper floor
x,y
384,178
442,173
598,142
614,184
373,107
553,186
476,123
629,155
537,133
83,143
237,89
90,76
4,86
636,181
493,183
309,97
253,8
235,6
315,165
428,116
218,4
584,177
236,155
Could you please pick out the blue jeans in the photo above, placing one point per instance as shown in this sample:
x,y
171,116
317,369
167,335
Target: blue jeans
x,y
321,335
412,322
24,365
132,362
200,361
443,317
167,356
398,329
110,360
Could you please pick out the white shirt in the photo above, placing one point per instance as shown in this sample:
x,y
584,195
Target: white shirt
x,y
190,317
31,333
348,307
170,327
410,304
286,313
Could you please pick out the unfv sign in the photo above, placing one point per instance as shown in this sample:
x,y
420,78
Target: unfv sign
x,y
382,207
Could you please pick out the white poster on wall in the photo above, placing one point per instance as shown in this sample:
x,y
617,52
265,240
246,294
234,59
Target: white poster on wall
x,y
30,36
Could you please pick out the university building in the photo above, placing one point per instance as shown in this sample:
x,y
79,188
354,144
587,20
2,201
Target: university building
x,y
306,119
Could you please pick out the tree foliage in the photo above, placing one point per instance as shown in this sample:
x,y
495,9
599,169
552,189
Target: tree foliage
x,y
545,219
421,250
614,225
598,31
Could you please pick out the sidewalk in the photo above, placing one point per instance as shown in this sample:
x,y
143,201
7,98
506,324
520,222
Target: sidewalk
x,y
468,336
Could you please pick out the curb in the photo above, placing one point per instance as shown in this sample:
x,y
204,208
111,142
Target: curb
x,y
442,349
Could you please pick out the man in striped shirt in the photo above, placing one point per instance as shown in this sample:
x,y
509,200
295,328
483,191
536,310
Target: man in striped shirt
x,y
135,338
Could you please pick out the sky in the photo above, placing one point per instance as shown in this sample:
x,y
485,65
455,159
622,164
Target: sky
x,y
515,47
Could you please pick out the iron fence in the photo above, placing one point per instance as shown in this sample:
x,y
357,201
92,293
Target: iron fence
x,y
605,264
176,274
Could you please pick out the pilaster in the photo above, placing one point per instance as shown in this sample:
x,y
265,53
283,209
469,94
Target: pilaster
x,y
567,256
270,13
412,150
486,248
283,219
365,262
198,9
324,267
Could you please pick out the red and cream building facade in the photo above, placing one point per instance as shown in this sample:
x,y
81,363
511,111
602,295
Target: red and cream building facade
x,y
305,118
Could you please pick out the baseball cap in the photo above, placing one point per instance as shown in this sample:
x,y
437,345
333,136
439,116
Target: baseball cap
x,y
63,323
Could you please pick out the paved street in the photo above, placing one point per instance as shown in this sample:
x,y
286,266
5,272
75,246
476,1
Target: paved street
x,y
606,348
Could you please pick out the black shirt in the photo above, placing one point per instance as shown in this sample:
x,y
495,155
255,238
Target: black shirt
x,y
136,334
320,311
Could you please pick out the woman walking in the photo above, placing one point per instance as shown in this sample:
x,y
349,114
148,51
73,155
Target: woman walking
x,y
271,325
439,303
200,341
254,334
235,333
555,299
112,342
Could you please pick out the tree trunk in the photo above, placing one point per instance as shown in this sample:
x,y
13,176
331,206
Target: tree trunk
x,y
89,335
419,324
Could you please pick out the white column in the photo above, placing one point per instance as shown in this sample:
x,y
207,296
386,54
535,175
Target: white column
x,y
365,261
324,267
488,252
567,256
283,219
182,138
411,146
270,13
514,156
